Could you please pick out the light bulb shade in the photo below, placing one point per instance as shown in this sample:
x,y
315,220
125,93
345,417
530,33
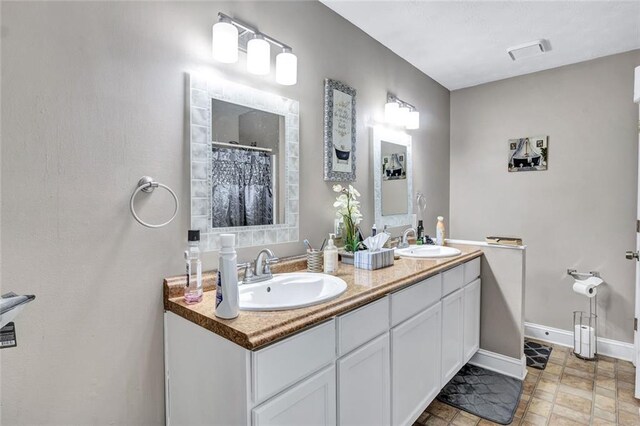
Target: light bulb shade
x,y
224,42
391,112
258,56
286,68
413,122
403,116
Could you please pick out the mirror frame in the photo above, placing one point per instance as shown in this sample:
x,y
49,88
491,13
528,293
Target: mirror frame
x,y
201,91
378,135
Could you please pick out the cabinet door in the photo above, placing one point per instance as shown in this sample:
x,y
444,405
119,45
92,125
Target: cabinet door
x,y
415,365
452,334
471,319
364,385
312,402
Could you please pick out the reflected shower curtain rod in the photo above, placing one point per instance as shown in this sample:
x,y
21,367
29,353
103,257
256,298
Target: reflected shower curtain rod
x,y
238,146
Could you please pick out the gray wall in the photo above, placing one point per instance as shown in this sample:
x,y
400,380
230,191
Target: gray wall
x,y
581,212
93,97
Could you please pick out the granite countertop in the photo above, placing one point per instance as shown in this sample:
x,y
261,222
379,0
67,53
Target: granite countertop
x,y
254,329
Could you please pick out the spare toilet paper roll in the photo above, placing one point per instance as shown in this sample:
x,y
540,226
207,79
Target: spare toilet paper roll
x,y
584,341
587,287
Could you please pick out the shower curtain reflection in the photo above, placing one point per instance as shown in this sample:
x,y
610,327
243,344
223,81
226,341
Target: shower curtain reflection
x,y
242,193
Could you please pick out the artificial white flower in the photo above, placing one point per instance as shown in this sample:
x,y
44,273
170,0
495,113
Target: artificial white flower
x,y
337,188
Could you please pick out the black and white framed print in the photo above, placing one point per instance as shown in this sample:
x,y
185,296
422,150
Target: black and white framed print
x,y
339,131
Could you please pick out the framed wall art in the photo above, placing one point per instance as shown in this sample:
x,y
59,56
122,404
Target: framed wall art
x,y
528,154
339,131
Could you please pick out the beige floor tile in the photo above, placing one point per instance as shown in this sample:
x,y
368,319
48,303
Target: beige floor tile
x,y
465,419
628,419
606,383
553,369
528,387
580,373
550,377
516,421
598,413
602,422
606,365
579,364
435,421
547,386
540,407
625,385
605,403
533,372
627,395
531,378
577,416
631,407
423,417
534,420
543,395
484,422
606,374
625,366
441,410
522,406
574,402
557,420
574,391
577,382
605,392
626,376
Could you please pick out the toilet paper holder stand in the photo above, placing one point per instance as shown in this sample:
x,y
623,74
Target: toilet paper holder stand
x,y
582,275
587,350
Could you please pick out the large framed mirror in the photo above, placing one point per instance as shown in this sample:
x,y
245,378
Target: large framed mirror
x,y
392,177
244,164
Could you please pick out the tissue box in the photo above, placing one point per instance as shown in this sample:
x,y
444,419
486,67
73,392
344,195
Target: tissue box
x,y
373,259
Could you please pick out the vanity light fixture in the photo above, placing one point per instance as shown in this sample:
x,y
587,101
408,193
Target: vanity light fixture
x,y
400,113
231,34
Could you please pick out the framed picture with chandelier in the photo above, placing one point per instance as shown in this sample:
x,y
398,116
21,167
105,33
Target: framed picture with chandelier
x,y
528,154
339,131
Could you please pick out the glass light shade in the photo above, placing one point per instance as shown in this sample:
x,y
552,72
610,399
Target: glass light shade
x,y
286,68
225,42
413,122
403,116
258,56
391,112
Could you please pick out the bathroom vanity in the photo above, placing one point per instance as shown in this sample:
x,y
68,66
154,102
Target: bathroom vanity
x,y
376,355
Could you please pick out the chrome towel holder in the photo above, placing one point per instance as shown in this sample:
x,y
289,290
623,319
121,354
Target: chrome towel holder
x,y
147,184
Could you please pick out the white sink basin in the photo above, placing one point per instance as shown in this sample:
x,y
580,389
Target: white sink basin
x,y
290,291
428,252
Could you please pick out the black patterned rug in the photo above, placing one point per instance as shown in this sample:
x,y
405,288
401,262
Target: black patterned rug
x,y
484,393
537,354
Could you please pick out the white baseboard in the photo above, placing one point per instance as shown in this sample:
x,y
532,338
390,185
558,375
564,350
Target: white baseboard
x,y
502,364
607,347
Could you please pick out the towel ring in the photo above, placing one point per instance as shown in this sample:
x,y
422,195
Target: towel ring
x,y
148,184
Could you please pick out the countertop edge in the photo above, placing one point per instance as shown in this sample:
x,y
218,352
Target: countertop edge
x,y
277,332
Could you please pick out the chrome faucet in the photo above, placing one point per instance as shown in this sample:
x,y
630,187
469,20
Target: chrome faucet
x,y
261,267
405,235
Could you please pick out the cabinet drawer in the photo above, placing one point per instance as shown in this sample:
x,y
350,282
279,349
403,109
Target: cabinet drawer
x,y
312,402
452,280
471,270
362,325
284,363
408,302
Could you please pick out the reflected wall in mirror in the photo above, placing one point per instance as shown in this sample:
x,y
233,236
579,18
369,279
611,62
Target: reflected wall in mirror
x,y
244,164
393,180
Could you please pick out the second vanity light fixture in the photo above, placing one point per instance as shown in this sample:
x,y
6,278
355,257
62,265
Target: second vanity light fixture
x,y
400,113
226,34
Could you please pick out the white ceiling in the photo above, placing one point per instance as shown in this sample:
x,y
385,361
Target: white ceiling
x,y
464,43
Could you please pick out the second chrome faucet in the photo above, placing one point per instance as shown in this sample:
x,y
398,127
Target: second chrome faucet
x,y
261,267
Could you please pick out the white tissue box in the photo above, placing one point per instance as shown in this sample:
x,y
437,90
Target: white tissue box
x,y
373,259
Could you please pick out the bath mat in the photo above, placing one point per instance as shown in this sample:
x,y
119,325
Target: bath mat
x,y
537,354
484,393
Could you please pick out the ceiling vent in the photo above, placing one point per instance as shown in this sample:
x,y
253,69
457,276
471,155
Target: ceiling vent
x,y
526,50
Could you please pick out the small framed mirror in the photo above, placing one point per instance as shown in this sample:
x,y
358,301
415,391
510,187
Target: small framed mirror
x,y
244,164
392,178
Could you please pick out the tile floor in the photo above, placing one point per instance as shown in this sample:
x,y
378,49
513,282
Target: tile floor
x,y
569,391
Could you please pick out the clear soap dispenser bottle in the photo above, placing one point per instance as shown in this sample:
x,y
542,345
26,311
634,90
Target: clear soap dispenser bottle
x,y
193,289
331,257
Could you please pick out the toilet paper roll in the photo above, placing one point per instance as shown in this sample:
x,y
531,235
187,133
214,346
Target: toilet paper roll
x,y
587,287
584,341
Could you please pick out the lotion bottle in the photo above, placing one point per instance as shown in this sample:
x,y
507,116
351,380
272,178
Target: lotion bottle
x,y
440,231
227,299
331,257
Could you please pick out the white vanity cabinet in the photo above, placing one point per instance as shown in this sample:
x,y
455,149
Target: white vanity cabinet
x,y
380,364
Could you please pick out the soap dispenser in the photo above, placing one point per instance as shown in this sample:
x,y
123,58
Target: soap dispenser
x,y
331,257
